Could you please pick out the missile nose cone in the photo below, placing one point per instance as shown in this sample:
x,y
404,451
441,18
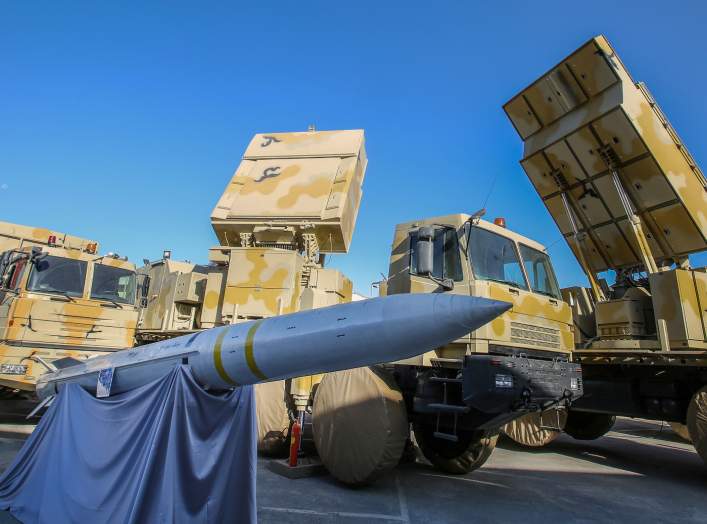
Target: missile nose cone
x,y
472,312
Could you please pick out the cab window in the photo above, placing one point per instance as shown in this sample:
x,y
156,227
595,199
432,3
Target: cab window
x,y
62,276
113,283
447,261
494,257
540,273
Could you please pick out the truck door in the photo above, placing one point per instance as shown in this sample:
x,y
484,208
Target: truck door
x,y
447,264
10,280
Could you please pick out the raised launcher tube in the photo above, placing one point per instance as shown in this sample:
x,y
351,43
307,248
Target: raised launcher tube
x,y
613,173
626,195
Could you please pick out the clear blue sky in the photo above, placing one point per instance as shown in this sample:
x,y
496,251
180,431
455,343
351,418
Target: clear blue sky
x,y
123,122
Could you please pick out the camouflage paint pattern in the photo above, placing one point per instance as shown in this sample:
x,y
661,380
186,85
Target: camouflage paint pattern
x,y
38,326
680,298
630,316
586,117
293,198
602,155
13,236
536,321
310,181
176,290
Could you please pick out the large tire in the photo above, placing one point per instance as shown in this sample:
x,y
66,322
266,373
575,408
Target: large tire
x,y
681,431
359,424
697,422
531,430
470,452
272,418
582,425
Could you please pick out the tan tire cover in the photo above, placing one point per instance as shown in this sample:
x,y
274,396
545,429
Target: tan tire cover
x,y
528,430
697,422
681,431
359,423
272,418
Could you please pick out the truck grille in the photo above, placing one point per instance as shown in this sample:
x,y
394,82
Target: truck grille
x,y
535,335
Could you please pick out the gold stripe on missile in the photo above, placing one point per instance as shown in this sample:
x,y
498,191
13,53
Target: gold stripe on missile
x,y
249,356
218,362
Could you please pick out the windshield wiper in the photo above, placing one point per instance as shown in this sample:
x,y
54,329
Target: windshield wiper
x,y
115,304
64,294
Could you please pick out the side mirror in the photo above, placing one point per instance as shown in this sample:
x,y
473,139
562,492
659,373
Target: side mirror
x,y
36,255
424,251
144,290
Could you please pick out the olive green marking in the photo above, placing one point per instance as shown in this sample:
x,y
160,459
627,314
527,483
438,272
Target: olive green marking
x,y
218,362
249,356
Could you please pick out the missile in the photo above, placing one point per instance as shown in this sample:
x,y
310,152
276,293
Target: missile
x,y
344,336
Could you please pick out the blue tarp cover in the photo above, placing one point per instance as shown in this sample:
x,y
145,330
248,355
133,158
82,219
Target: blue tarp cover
x,y
165,452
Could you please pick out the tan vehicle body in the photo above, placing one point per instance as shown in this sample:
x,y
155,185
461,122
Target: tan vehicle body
x,y
627,196
536,322
293,199
38,327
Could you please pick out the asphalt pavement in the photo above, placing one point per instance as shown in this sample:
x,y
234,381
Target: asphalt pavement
x,y
639,472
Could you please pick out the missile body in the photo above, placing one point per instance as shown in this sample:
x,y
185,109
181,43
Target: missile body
x,y
343,336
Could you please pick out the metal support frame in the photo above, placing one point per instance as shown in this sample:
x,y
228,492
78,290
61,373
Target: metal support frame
x,y
596,288
636,226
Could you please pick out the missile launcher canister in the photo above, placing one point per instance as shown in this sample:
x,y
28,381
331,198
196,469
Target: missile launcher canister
x,y
628,197
600,152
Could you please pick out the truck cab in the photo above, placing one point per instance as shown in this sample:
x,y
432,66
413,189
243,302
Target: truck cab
x,y
59,300
474,257
519,363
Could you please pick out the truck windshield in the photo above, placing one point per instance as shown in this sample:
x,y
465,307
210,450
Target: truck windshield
x,y
63,276
539,270
494,257
113,283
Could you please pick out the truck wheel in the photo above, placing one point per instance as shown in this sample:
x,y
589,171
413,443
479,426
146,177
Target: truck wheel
x,y
359,424
532,431
681,431
697,422
582,425
272,418
456,458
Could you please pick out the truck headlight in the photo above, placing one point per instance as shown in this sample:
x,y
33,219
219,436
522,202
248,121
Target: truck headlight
x,y
13,369
574,384
504,381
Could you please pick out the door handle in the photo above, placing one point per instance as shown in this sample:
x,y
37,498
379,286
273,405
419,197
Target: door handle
x,y
514,291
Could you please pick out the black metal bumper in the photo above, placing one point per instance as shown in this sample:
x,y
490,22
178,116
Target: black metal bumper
x,y
515,384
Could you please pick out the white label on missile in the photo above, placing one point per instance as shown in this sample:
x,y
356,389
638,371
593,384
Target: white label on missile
x,y
105,380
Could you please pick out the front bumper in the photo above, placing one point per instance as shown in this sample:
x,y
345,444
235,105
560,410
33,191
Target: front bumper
x,y
499,385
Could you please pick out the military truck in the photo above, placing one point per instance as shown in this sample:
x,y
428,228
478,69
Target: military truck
x,y
457,397
293,199
628,199
59,299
